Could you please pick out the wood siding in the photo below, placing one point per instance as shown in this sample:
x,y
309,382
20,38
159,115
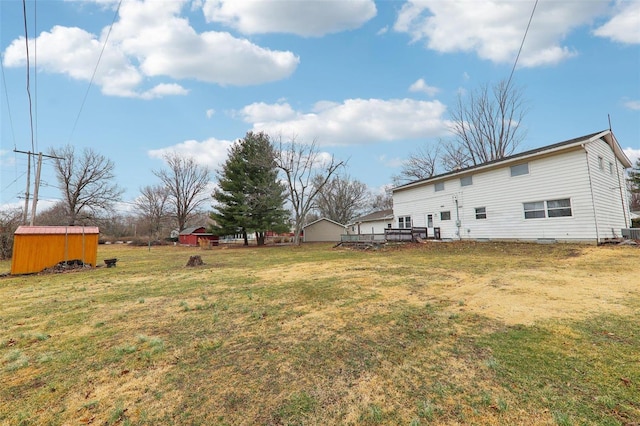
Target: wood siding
x,y
34,252
567,174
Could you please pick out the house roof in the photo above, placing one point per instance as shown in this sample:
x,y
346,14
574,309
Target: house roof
x,y
606,135
56,230
190,230
378,215
325,219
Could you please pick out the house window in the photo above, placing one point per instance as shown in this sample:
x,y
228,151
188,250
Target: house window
x,y
520,169
439,186
559,208
388,226
466,181
534,210
404,222
481,212
549,208
601,163
445,215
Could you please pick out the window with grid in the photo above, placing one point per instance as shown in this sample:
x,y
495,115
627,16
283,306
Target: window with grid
x,y
534,210
559,208
481,212
404,222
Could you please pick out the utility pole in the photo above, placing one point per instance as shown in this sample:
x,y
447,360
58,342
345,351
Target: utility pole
x,y
26,193
37,183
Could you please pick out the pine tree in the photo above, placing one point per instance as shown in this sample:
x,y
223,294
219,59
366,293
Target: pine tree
x,y
250,198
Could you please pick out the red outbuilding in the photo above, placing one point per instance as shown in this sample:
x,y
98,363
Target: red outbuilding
x,y
191,236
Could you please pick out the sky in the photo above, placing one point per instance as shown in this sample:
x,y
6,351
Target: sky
x,y
369,81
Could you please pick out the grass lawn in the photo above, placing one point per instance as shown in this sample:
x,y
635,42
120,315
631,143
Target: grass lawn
x,y
438,333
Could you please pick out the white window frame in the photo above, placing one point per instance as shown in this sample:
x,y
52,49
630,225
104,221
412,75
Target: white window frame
x,y
447,212
466,180
559,207
403,221
519,169
438,186
481,213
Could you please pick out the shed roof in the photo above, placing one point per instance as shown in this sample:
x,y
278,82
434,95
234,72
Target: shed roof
x,y
323,219
190,230
56,230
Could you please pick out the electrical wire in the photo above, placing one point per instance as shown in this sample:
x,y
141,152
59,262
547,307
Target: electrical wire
x,y
104,45
26,42
6,94
35,63
522,44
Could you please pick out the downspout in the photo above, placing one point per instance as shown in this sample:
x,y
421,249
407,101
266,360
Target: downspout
x,y
458,224
593,201
624,210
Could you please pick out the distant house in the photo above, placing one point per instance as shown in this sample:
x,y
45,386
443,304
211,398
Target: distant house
x,y
191,236
569,191
323,230
373,223
36,248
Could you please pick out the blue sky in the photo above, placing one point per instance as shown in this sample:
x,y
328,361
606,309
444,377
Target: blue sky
x,y
370,81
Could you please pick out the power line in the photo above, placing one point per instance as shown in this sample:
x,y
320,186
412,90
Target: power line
x,y
26,42
115,15
522,44
35,61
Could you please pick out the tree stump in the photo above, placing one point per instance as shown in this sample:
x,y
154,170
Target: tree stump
x,y
195,261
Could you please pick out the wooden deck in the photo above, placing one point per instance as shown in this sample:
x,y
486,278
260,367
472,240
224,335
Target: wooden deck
x,y
406,235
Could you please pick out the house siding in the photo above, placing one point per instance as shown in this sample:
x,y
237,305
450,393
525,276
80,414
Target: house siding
x,y
558,175
611,209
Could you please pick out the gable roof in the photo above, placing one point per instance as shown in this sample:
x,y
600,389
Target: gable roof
x,y
191,230
606,135
321,219
377,215
56,230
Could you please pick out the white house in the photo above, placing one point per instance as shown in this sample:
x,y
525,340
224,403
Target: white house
x,y
373,223
569,191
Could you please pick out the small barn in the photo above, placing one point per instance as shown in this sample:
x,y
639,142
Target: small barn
x,y
36,248
191,236
323,230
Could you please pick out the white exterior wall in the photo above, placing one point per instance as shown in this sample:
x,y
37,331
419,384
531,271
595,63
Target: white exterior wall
x,y
371,227
557,176
610,204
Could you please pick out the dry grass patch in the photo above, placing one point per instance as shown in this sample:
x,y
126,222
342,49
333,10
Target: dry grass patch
x,y
460,333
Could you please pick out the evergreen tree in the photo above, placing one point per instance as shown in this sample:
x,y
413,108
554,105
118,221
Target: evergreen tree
x,y
250,198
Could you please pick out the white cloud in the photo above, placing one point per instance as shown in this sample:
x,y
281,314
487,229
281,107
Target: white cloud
x,y
152,39
211,152
352,122
421,86
624,26
210,112
304,18
633,154
393,162
494,29
634,105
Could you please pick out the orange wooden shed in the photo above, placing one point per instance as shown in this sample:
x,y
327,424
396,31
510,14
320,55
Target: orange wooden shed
x,y
39,247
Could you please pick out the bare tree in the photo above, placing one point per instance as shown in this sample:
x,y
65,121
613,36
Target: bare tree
x,y
421,164
486,125
306,171
54,215
153,206
86,182
10,219
381,201
186,182
341,198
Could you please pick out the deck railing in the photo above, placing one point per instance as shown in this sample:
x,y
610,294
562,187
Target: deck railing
x,y
392,234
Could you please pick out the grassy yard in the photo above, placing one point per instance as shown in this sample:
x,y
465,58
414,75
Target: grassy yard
x,y
449,333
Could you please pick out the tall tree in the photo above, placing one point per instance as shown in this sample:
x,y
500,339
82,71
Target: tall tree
x,y
186,181
341,198
153,207
249,197
86,181
634,186
306,170
421,164
10,219
486,125
381,201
